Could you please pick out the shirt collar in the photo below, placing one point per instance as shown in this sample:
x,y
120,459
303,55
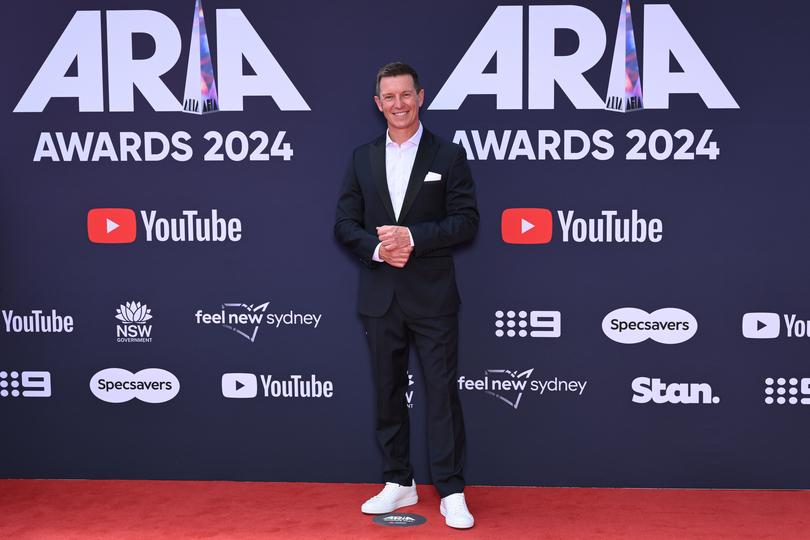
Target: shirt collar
x,y
413,141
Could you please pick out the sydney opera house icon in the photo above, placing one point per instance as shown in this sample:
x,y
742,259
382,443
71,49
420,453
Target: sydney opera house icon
x,y
200,95
624,86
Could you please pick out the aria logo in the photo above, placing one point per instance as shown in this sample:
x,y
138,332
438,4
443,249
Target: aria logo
x,y
502,37
81,43
26,384
245,319
134,315
399,520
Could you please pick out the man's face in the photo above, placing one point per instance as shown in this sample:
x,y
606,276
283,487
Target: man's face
x,y
399,102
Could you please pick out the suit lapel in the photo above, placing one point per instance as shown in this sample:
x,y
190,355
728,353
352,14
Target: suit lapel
x,y
424,158
377,157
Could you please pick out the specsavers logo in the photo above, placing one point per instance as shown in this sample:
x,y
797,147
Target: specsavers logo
x,y
116,385
632,325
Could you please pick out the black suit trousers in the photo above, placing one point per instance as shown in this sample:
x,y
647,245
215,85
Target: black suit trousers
x,y
436,342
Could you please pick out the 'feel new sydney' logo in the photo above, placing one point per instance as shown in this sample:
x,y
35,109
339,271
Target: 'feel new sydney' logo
x,y
246,319
81,44
508,386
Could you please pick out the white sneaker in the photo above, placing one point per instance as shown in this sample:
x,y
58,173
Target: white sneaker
x,y
454,510
391,497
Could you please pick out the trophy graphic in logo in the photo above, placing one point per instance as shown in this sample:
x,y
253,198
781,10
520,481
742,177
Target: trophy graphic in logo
x,y
624,86
200,96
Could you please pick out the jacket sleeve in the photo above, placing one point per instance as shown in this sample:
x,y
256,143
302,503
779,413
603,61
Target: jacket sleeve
x,y
461,221
349,227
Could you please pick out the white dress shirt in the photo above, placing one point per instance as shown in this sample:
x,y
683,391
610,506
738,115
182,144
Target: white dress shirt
x,y
399,160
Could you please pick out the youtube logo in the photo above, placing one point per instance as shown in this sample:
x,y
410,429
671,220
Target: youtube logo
x,y
239,385
535,226
526,226
760,325
111,226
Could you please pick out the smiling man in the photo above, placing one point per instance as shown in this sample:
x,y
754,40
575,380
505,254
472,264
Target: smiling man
x,y
407,199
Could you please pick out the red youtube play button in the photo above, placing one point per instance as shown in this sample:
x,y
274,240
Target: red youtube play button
x,y
526,226
111,225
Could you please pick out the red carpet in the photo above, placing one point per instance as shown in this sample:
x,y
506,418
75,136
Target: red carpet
x,y
94,509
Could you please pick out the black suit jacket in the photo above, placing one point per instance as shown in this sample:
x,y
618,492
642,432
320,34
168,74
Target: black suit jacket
x,y
439,214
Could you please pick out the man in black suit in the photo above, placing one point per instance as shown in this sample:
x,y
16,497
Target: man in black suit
x,y
408,198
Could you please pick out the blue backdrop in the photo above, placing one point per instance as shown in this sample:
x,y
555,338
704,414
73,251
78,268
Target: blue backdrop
x,y
581,409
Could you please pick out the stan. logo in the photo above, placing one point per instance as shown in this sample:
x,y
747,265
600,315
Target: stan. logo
x,y
646,390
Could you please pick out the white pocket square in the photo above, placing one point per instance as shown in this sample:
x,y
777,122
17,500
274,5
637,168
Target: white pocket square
x,y
432,177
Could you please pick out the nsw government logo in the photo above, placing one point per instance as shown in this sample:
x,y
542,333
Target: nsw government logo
x,y
246,319
632,325
133,328
152,385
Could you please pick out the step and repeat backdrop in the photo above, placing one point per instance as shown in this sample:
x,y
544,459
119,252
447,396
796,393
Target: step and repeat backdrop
x,y
635,305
